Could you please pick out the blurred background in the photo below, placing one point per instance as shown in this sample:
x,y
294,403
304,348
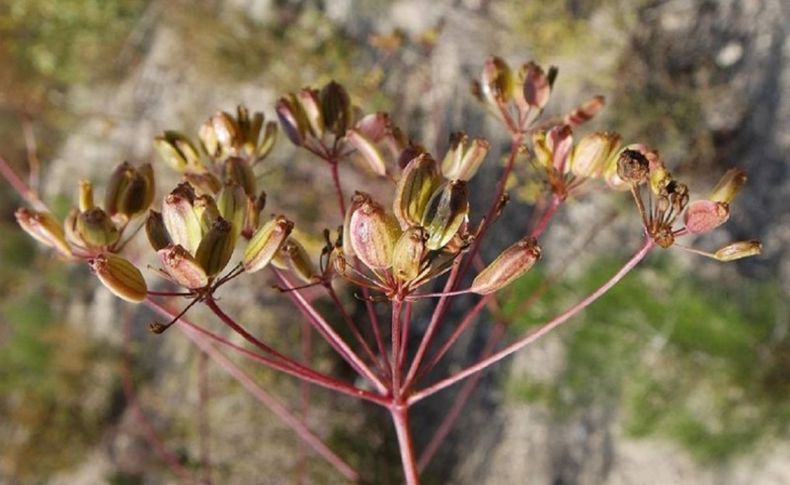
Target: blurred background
x,y
680,375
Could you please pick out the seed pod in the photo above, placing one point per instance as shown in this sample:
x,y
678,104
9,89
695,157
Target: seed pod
x,y
496,81
292,119
591,154
293,256
86,195
537,85
227,132
462,161
265,243
372,234
417,183
267,142
120,276
232,205
369,152
311,106
180,219
44,228
206,210
633,167
252,213
446,212
729,186
204,183
156,231
178,151
130,191
455,153
738,250
559,141
208,139
336,108
97,229
182,267
705,215
585,112
408,257
374,126
70,228
216,247
239,172
250,128
510,265
117,186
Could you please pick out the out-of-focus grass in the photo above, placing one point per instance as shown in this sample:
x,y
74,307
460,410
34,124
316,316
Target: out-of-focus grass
x,y
680,357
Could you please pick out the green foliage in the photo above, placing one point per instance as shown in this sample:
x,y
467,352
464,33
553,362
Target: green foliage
x,y
682,358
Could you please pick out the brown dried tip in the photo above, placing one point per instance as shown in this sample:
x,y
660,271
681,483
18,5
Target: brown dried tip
x,y
633,167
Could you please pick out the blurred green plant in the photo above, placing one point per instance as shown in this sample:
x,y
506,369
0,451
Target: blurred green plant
x,y
676,358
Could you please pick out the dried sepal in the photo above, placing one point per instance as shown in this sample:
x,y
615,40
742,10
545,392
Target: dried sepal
x,y
44,228
510,265
265,243
120,276
633,167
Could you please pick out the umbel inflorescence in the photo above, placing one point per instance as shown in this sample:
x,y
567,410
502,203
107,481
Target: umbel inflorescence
x,y
392,253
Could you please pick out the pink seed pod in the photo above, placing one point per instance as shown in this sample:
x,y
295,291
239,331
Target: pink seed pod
x,y
705,215
182,267
372,234
510,265
537,86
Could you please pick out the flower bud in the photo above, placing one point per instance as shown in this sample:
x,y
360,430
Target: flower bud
x,y
96,228
705,215
417,184
311,106
336,108
496,81
738,250
537,85
447,210
182,267
372,234
729,185
44,228
86,195
632,167
120,276
216,247
180,219
369,152
507,267
591,154
239,172
265,243
408,257
293,256
178,151
156,231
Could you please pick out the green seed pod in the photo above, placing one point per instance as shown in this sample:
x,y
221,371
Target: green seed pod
x,y
238,171
96,228
267,142
372,234
206,210
180,219
120,276
738,250
408,257
156,231
182,267
510,265
368,151
473,157
216,247
729,185
336,108
86,195
496,81
592,153
418,182
447,210
265,243
44,228
233,205
178,151
117,185
293,256
130,191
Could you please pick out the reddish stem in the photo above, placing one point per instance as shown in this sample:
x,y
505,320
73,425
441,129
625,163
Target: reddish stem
x,y
20,186
537,333
400,418
203,422
396,344
341,200
354,328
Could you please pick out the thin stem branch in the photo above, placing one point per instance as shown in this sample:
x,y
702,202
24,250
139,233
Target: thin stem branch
x,y
203,422
400,418
341,199
396,344
329,334
20,187
539,332
352,326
